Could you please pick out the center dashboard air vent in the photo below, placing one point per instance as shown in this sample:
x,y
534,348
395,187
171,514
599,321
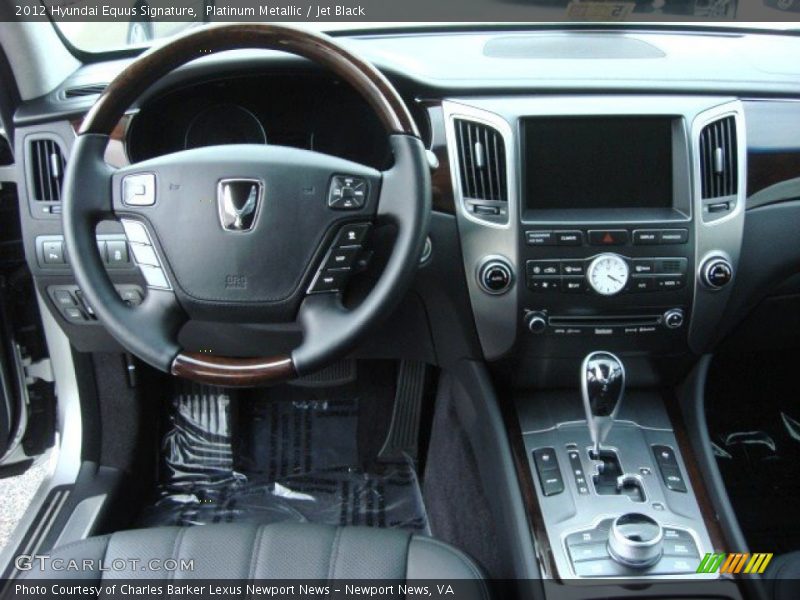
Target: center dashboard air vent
x,y
482,170
719,167
46,171
81,91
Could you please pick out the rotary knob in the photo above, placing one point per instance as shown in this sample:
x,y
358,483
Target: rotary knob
x,y
636,540
673,318
495,277
716,272
536,321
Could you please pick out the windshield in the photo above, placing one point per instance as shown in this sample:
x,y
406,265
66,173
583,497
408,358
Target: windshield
x,y
146,21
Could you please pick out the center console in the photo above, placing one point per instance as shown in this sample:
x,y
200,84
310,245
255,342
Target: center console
x,y
610,220
606,229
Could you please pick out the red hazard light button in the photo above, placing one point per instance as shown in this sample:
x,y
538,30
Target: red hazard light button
x,y
608,237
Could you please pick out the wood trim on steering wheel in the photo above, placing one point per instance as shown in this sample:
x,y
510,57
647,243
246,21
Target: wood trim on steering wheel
x,y
134,81
154,64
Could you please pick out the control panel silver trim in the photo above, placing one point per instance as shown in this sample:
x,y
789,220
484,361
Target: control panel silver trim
x,y
481,240
719,237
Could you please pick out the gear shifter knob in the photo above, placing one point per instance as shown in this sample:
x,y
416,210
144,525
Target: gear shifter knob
x,y
602,387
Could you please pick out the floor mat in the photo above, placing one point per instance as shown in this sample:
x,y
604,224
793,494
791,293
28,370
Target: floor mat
x,y
755,428
261,460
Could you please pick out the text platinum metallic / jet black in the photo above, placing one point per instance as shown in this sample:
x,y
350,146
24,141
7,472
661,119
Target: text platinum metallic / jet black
x,y
238,201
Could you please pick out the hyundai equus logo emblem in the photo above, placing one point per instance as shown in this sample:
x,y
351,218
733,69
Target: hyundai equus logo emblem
x,y
238,201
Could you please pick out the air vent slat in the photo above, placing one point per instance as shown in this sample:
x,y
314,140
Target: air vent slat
x,y
47,169
85,90
719,159
482,161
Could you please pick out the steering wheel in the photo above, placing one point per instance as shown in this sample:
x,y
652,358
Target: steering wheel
x,y
245,233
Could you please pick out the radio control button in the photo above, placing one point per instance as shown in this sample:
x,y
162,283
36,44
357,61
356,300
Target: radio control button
x,y
608,237
646,237
569,238
674,236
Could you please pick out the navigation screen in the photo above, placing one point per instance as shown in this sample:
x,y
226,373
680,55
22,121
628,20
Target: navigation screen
x,y
589,162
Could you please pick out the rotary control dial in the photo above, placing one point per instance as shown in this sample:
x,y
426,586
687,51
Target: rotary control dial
x,y
608,274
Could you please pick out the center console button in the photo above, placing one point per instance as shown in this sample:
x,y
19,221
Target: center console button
x,y
569,238
548,471
543,267
644,266
590,536
608,237
573,267
674,236
680,548
605,567
589,552
544,284
670,283
642,284
646,237
575,285
540,238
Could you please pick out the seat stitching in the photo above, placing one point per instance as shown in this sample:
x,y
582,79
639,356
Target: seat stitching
x,y
256,553
334,553
176,547
461,555
105,556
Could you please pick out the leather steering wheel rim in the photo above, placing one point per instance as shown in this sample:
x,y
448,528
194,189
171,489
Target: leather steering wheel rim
x,y
151,331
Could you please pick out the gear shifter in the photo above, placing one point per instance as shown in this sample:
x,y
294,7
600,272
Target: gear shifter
x,y
602,386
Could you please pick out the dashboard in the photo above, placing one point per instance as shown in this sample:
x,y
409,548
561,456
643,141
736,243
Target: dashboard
x,y
571,209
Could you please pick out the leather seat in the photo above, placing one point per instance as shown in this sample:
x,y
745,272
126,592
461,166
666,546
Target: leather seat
x,y
783,577
276,551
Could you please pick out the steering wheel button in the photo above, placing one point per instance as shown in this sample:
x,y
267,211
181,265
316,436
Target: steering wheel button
x,y
328,281
352,235
341,258
53,253
135,232
117,253
139,189
145,255
155,277
347,193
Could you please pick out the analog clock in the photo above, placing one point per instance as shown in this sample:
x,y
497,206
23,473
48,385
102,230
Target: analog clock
x,y
608,274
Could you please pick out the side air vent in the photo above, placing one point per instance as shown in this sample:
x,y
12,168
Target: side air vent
x,y
46,170
482,169
84,90
719,168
